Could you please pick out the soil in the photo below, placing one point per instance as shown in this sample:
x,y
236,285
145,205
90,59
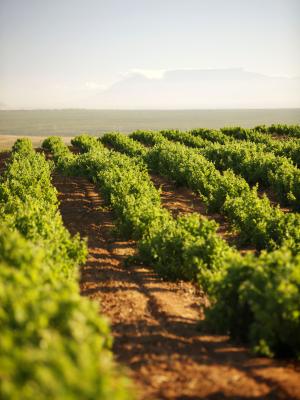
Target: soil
x,y
155,323
273,199
4,155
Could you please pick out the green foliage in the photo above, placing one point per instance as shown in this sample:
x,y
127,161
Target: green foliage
x,y
247,134
211,135
184,138
28,203
188,248
124,144
286,130
22,146
263,135
267,226
85,142
258,301
54,345
62,157
149,138
130,192
289,149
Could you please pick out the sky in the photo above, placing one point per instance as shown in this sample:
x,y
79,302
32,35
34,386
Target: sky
x,y
149,53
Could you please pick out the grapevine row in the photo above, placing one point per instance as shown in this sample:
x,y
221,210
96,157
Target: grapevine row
x,y
280,130
54,344
285,148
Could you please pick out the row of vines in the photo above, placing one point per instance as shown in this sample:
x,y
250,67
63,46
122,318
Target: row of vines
x,y
53,344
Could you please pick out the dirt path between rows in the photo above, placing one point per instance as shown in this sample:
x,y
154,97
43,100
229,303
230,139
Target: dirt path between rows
x,y
4,156
154,322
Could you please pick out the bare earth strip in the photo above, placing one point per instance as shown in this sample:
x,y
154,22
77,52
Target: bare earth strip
x,y
154,322
4,156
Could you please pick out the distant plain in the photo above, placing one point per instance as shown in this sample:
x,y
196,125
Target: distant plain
x,y
95,122
6,141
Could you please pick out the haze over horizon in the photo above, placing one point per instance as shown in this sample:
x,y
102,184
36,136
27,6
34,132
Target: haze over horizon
x,y
149,55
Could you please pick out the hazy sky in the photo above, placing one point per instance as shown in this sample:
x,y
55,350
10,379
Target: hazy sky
x,y
68,53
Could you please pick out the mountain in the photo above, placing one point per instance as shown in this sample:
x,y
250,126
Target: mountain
x,y
196,88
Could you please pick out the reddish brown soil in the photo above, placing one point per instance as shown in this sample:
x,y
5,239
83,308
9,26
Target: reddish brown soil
x,y
4,156
273,199
154,322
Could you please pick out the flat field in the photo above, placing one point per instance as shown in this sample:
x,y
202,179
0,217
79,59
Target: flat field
x,y
6,141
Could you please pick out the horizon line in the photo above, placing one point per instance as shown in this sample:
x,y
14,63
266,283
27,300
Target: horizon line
x,y
149,109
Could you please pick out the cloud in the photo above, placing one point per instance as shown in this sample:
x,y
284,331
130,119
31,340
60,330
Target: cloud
x,y
149,73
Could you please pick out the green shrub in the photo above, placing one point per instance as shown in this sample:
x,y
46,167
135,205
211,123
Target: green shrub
x,y
258,301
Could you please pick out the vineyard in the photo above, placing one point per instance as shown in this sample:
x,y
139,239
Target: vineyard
x,y
190,242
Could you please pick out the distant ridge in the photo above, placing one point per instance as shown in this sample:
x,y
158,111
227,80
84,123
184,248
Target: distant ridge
x,y
177,89
200,89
